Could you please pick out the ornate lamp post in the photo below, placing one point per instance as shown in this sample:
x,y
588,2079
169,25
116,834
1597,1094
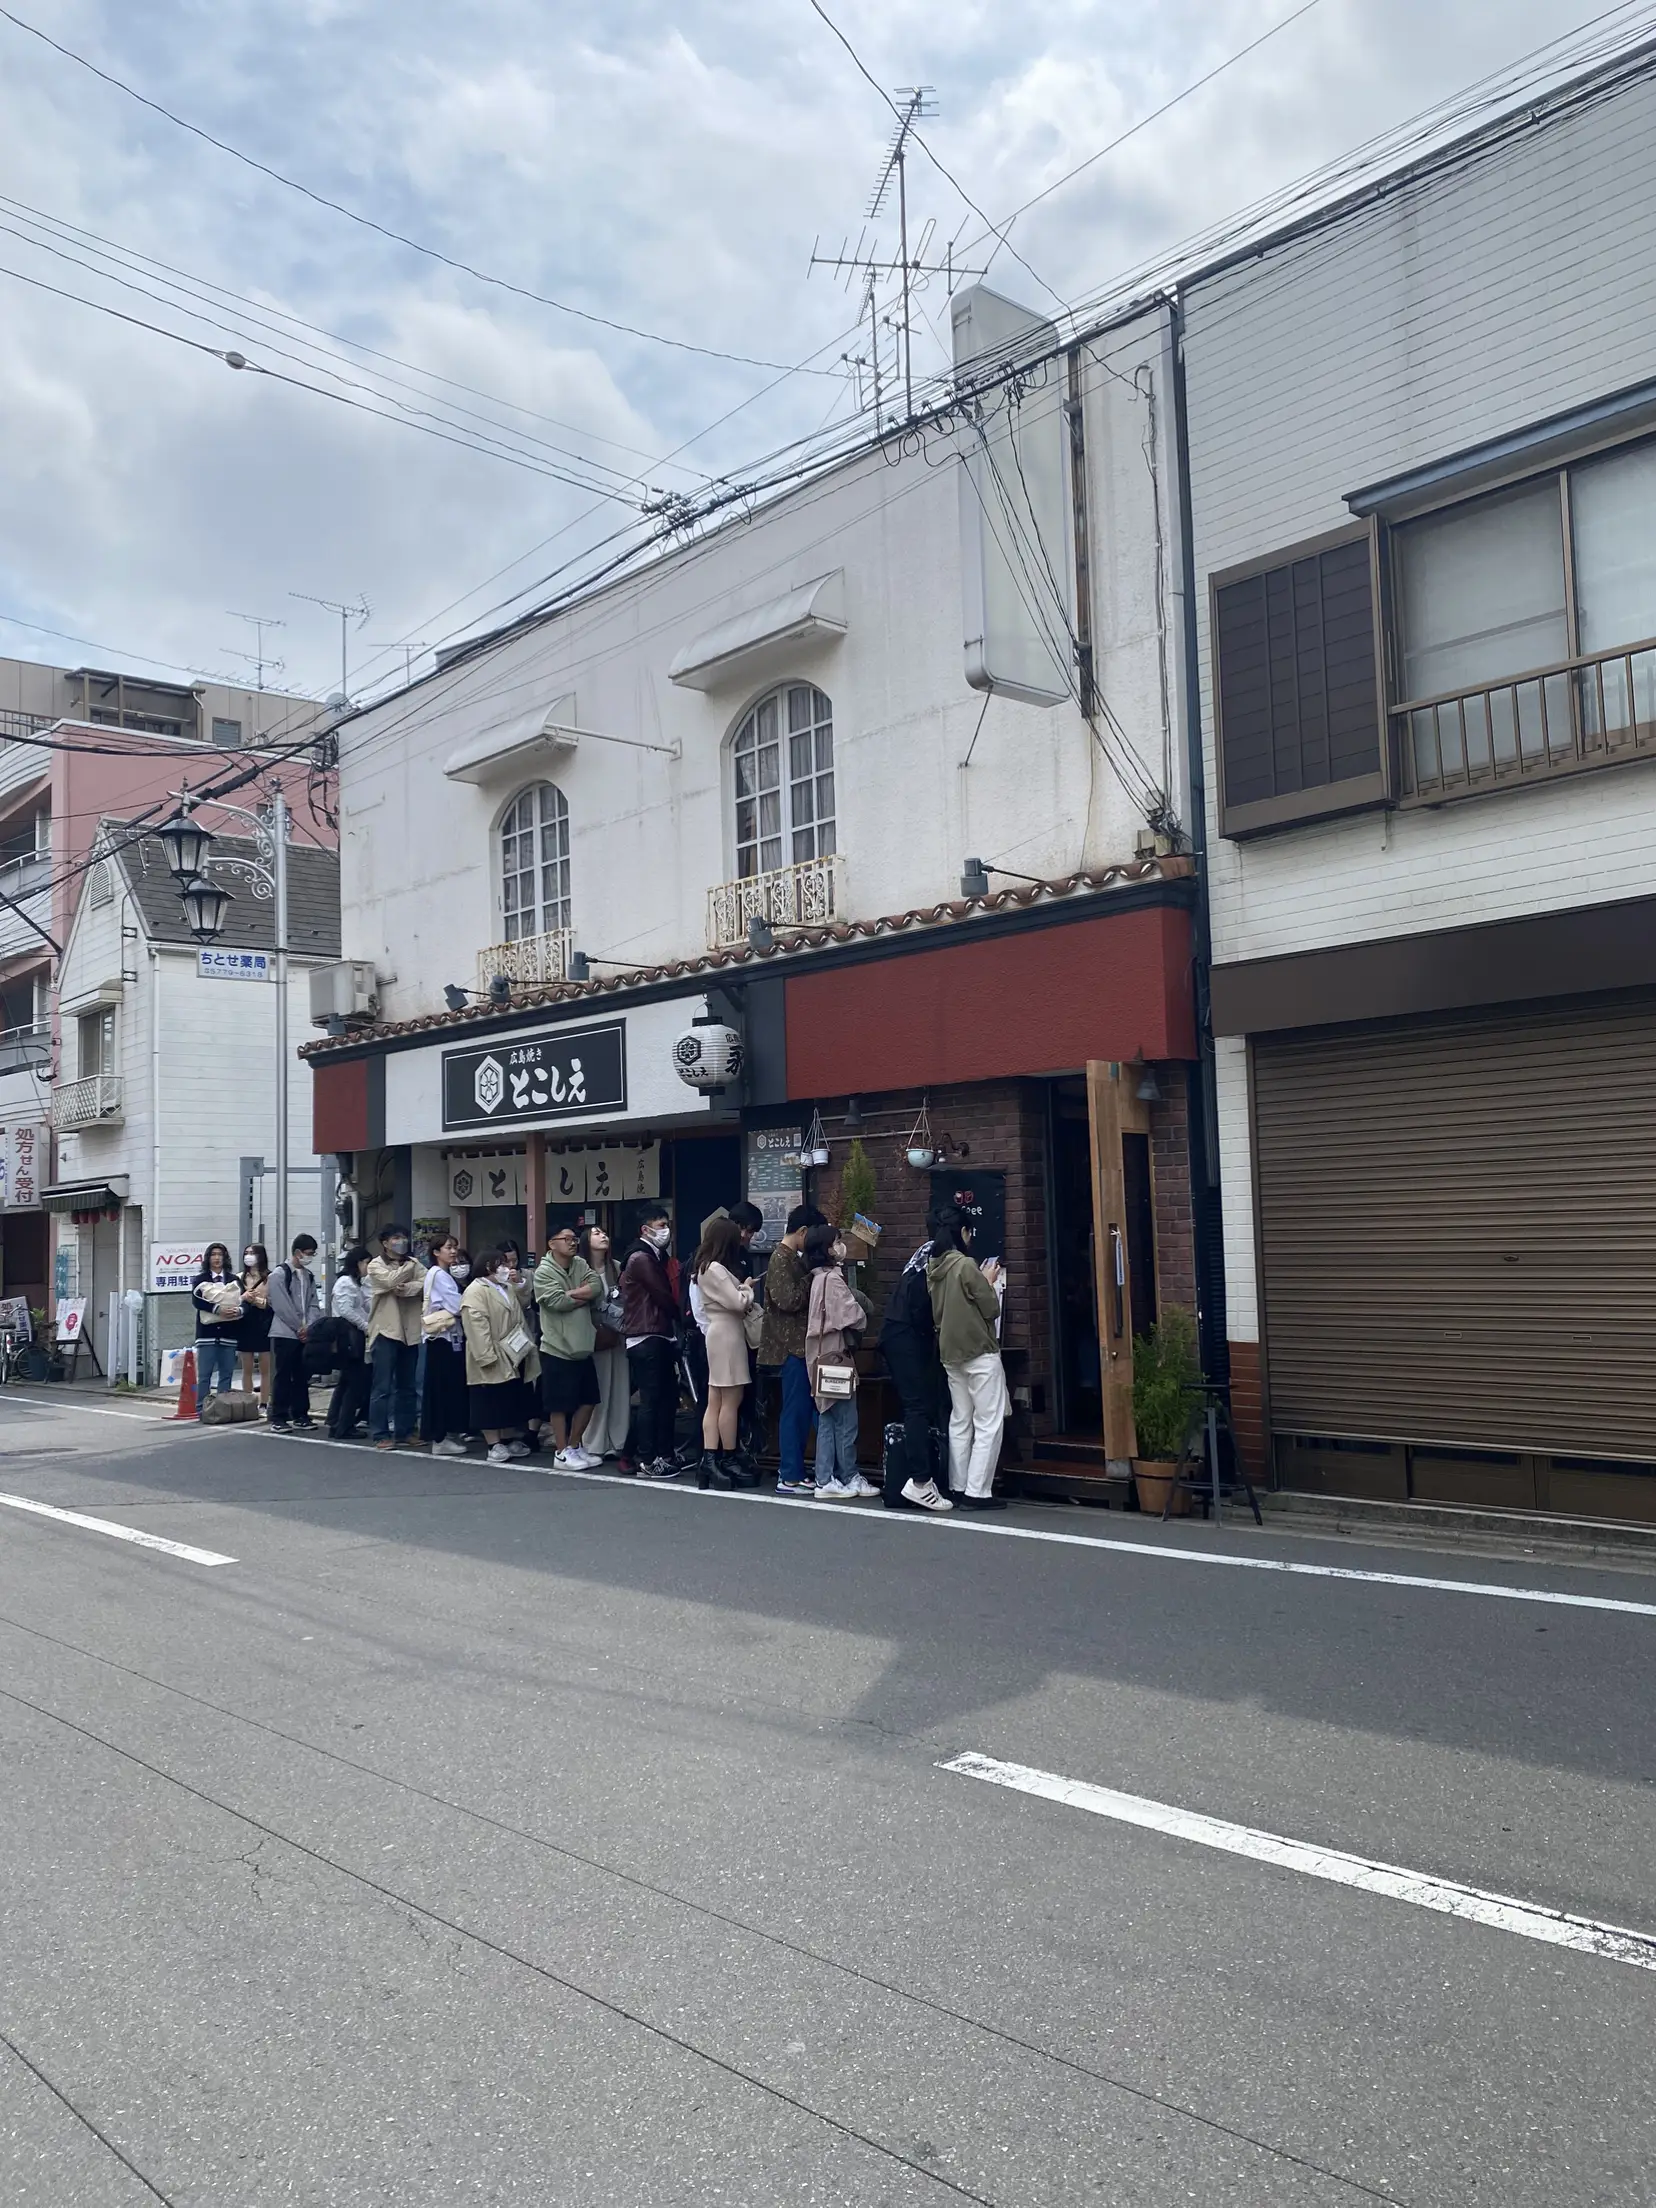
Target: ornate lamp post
x,y
187,845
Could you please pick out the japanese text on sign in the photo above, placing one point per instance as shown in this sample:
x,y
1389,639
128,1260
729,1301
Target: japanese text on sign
x,y
220,965
569,1074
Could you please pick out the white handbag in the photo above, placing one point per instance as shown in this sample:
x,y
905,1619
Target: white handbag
x,y
836,1383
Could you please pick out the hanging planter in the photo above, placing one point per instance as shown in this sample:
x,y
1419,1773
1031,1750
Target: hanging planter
x,y
815,1150
922,1149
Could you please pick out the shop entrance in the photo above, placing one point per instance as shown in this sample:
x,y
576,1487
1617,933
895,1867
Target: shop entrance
x,y
1079,1409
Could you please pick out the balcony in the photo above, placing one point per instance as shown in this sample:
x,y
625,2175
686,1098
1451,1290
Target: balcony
x,y
1590,712
92,1102
532,960
25,1049
807,896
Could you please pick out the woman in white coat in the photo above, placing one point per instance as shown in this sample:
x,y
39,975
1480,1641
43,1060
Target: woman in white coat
x,y
725,1304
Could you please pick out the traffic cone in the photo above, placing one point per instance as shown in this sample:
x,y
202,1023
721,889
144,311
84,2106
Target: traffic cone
x,y
187,1406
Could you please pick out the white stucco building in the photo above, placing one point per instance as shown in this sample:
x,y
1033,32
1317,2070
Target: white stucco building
x,y
167,1091
744,782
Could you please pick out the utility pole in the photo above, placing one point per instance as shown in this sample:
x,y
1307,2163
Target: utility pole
x,y
347,614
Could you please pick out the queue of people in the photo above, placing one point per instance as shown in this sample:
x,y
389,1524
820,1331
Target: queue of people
x,y
592,1354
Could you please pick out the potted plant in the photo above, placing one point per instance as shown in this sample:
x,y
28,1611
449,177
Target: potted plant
x,y
856,1204
1167,1377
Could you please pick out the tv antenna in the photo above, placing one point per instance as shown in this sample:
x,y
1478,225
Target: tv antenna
x,y
915,103
347,614
259,622
407,645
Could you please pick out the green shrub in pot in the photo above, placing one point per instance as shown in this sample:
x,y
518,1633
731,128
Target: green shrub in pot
x,y
1167,1377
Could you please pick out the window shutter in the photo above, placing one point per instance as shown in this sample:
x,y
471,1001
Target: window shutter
x,y
1300,724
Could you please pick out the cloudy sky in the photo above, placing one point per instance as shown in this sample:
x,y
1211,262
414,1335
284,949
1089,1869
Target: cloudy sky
x,y
667,167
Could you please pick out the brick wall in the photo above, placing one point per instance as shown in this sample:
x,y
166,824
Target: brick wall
x,y
989,1126
1001,1126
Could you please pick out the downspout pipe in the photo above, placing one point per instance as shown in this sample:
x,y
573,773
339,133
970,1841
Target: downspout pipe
x,y
1208,1222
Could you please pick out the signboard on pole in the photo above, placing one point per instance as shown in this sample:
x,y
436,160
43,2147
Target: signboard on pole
x,y
175,1266
25,1159
217,965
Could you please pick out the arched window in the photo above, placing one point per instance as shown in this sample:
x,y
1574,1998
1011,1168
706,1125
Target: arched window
x,y
534,862
784,760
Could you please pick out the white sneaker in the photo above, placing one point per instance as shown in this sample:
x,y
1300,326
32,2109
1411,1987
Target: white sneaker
x,y
926,1497
498,1453
583,1459
834,1491
862,1488
567,1460
449,1446
516,1448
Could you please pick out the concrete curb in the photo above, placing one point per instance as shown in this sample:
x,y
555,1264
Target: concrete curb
x,y
1449,1523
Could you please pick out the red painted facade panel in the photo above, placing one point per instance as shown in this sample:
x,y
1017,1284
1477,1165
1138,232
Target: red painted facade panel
x,y
339,1106
1043,1000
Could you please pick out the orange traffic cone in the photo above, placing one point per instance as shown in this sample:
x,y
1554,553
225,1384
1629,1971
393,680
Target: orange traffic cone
x,y
187,1406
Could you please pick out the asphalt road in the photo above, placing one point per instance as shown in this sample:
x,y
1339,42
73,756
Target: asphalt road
x,y
482,1835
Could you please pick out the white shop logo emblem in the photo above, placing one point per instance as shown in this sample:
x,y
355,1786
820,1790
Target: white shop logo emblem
x,y
533,1087
489,1085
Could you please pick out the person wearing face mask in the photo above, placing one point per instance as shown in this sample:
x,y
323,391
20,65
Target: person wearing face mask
x,y
649,1325
253,1331
606,1434
295,1308
348,1405
501,1358
396,1285
445,1417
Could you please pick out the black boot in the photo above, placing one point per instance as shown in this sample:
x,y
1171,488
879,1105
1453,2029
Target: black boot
x,y
710,1472
741,1472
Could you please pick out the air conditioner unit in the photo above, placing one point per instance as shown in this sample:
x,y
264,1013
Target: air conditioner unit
x,y
348,991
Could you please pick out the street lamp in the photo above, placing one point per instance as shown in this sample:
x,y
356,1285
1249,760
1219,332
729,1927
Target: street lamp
x,y
186,846
205,905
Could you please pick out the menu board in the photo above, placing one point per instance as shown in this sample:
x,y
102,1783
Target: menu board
x,y
775,1182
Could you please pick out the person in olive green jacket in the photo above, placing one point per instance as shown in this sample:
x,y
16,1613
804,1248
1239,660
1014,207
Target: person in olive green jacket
x,y
566,1288
967,1311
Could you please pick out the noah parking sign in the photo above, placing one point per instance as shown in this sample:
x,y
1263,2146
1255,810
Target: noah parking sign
x,y
537,1080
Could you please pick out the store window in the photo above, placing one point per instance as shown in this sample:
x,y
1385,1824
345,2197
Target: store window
x,y
534,863
783,760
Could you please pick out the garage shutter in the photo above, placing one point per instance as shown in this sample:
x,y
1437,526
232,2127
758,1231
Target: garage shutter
x,y
1458,1228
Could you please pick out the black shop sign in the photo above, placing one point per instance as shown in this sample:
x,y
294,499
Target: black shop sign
x,y
982,1198
571,1073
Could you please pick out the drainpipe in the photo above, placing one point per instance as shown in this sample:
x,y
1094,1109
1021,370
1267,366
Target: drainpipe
x,y
1209,1226
152,1216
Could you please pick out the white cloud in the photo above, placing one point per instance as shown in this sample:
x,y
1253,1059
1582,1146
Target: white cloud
x,y
665,163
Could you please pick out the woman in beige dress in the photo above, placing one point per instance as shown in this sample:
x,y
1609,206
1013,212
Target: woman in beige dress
x,y
725,1302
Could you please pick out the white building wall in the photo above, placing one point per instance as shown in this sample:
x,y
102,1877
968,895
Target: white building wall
x,y
651,835
1451,312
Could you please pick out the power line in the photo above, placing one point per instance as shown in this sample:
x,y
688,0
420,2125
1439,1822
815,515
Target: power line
x,y
367,222
195,286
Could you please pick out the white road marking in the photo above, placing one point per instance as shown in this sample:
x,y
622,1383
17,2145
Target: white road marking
x,y
121,1533
94,1410
1555,1927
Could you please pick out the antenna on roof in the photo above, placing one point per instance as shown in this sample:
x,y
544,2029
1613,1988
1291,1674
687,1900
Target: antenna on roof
x,y
915,102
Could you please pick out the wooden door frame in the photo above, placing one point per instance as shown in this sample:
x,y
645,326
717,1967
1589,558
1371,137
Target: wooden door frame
x,y
1114,1109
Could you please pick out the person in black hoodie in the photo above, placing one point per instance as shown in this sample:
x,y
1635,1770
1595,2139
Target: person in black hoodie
x,y
908,1342
649,1323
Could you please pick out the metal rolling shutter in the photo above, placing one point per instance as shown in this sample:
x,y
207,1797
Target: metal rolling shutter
x,y
1458,1228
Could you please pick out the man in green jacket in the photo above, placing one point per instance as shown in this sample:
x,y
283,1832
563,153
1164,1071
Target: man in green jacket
x,y
566,1288
967,1311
